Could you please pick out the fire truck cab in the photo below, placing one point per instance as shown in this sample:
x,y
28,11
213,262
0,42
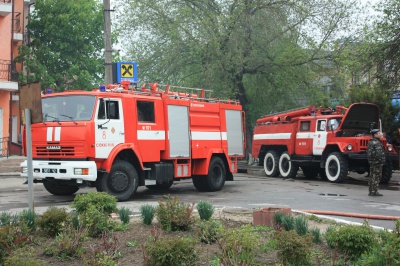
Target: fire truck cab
x,y
120,138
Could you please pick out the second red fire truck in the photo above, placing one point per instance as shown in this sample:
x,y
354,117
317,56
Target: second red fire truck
x,y
119,138
325,141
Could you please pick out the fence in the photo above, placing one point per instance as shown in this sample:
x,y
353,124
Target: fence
x,y
4,152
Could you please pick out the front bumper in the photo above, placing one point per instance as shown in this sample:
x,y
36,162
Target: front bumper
x,y
60,170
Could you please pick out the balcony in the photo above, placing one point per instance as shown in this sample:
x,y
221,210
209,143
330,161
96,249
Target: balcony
x,y
7,76
5,7
18,36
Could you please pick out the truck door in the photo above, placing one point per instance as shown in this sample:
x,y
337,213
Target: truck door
x,y
304,138
320,136
109,126
150,129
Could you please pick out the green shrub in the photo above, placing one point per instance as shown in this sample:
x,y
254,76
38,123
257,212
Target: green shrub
x,y
292,248
76,223
23,256
278,217
96,221
124,215
102,201
205,210
106,252
316,235
209,230
288,222
238,246
330,236
28,217
301,225
147,213
13,237
68,243
353,239
174,215
170,251
386,250
7,218
52,220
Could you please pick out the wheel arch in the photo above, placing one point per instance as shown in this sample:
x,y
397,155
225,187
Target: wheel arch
x,y
328,150
128,155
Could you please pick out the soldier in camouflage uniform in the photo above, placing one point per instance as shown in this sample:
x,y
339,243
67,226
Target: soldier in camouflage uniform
x,y
376,158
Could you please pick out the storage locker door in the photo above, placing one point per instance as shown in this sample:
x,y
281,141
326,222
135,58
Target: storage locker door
x,y
178,134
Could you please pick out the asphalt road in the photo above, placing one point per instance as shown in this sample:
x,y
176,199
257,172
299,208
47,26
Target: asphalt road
x,y
247,193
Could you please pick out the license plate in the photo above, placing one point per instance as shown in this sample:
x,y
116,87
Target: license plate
x,y
49,171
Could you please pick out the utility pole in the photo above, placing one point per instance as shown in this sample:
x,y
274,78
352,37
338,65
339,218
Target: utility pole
x,y
107,42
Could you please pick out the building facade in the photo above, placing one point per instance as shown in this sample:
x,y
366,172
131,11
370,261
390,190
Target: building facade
x,y
13,15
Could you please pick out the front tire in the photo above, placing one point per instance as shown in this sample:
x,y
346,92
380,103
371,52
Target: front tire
x,y
286,168
336,167
122,181
59,189
271,161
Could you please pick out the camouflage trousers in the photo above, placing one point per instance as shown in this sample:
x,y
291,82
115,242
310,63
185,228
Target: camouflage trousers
x,y
376,173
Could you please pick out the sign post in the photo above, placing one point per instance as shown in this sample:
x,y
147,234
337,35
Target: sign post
x,y
31,112
29,157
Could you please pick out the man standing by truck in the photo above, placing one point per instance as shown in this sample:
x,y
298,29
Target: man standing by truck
x,y
376,159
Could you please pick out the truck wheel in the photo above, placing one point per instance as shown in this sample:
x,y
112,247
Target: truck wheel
x,y
122,181
199,183
216,174
310,171
162,186
271,160
286,168
336,167
215,180
387,171
59,189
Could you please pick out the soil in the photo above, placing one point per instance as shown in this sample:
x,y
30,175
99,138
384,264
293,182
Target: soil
x,y
130,242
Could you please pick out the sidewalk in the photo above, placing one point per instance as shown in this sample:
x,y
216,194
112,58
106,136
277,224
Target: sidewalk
x,y
10,166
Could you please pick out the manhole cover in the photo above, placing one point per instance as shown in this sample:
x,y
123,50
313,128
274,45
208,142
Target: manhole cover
x,y
331,195
237,210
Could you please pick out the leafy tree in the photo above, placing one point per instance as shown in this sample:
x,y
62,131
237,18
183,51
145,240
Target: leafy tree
x,y
66,45
267,54
371,62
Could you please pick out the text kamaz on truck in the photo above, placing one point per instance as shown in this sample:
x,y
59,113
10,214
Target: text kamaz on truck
x,y
122,138
325,141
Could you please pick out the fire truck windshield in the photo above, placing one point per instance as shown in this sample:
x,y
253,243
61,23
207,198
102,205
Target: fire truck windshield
x,y
68,108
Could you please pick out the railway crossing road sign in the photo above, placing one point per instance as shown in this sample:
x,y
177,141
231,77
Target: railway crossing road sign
x,y
127,71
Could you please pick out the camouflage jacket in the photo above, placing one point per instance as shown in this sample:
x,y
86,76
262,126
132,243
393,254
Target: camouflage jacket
x,y
375,152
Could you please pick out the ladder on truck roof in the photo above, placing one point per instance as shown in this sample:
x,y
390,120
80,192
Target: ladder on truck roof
x,y
173,92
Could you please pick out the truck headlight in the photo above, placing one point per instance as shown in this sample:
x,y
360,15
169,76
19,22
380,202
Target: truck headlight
x,y
349,147
81,171
390,148
24,170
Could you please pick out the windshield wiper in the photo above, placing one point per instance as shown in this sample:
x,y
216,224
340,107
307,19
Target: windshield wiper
x,y
55,119
70,117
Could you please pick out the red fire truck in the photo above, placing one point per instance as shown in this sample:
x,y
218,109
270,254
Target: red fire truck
x,y
325,141
119,138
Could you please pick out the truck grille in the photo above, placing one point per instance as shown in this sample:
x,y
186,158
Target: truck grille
x,y
64,151
364,144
